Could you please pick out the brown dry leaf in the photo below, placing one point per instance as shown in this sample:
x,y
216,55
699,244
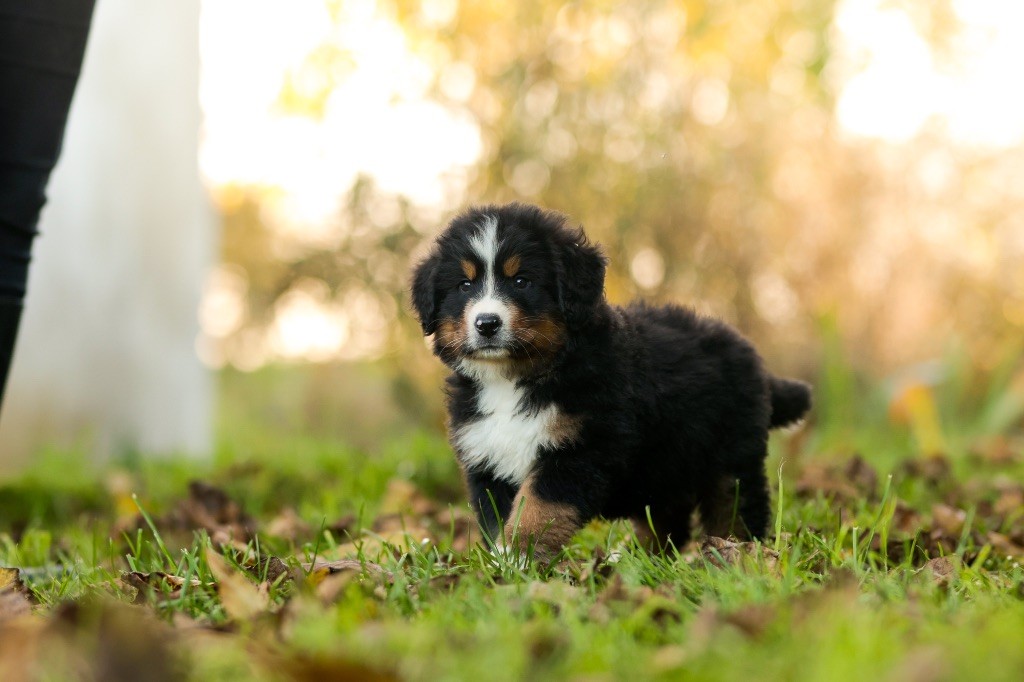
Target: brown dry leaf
x,y
998,450
241,599
15,599
116,642
943,569
325,568
721,553
163,585
1005,546
210,508
598,567
393,538
315,669
752,620
1009,503
821,478
403,497
288,525
10,578
906,519
342,527
458,524
949,520
96,640
862,475
20,641
331,578
268,568
933,469
847,481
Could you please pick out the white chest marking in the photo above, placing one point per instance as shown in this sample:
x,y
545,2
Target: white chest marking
x,y
505,439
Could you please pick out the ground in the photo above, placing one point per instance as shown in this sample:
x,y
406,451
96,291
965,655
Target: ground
x,y
291,557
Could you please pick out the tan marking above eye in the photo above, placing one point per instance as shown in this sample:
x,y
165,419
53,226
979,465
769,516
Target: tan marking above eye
x,y
469,269
511,265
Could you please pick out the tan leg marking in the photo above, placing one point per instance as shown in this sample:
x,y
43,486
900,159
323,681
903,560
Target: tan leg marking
x,y
548,525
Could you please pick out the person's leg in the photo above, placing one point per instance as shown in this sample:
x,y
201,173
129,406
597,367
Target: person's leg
x,y
41,47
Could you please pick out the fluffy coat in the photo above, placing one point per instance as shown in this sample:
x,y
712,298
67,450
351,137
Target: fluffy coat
x,y
563,408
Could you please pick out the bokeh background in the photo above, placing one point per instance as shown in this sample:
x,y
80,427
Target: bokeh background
x,y
840,180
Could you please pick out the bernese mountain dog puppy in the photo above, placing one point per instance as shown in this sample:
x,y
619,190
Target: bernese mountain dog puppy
x,y
563,408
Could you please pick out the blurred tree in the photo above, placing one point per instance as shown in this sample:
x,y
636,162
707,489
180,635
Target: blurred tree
x,y
698,142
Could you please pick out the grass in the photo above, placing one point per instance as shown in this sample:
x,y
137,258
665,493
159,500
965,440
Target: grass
x,y
878,570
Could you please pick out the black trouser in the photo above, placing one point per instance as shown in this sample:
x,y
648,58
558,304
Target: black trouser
x,y
41,48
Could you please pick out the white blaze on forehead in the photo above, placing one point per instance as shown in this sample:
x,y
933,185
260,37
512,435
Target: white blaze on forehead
x,y
485,244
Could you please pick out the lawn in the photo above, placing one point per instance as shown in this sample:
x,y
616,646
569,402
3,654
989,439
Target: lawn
x,y
896,555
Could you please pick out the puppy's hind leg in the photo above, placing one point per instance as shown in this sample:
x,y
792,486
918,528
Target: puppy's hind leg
x,y
736,501
754,502
657,531
720,508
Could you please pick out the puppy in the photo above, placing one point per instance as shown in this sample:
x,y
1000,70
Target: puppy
x,y
563,408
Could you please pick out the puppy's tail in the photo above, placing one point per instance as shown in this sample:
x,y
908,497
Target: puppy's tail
x,y
790,400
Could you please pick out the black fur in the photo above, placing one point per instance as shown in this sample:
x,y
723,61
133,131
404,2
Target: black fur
x,y
673,408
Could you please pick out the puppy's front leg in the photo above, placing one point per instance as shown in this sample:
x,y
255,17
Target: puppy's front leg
x,y
551,505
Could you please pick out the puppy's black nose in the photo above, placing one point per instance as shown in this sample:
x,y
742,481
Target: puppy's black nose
x,y
487,324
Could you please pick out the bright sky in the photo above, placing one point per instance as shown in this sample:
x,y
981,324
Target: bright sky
x,y
378,121
894,86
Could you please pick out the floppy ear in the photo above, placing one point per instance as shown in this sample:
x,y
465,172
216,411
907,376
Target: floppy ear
x,y
581,285
424,293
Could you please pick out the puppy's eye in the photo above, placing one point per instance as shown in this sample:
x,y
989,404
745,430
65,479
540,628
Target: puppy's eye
x,y
521,283
465,285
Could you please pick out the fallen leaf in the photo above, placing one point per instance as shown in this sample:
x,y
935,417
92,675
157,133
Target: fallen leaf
x,y
933,469
267,568
403,497
163,586
10,578
288,525
315,669
14,596
721,552
998,450
819,478
850,480
343,527
242,601
210,508
949,519
905,518
943,569
752,620
862,475
1010,503
1005,546
325,568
